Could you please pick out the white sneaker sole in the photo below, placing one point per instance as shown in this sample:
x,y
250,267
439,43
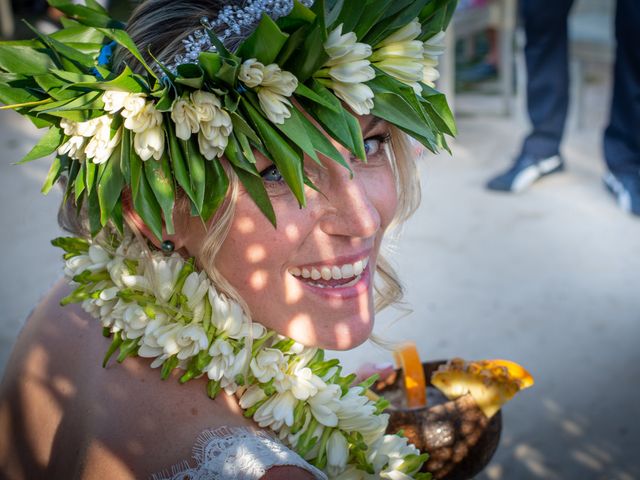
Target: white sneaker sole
x,y
622,196
526,177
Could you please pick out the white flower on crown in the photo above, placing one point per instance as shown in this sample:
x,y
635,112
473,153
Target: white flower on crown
x,y
115,100
273,86
101,145
433,48
400,55
142,118
347,70
74,148
149,143
185,117
251,73
215,124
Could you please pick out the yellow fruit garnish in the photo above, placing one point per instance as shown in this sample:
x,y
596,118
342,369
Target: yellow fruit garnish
x,y
415,385
491,383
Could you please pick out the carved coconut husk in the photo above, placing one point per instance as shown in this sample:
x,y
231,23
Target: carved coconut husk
x,y
459,438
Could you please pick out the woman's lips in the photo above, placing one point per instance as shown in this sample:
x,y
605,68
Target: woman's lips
x,y
326,274
344,281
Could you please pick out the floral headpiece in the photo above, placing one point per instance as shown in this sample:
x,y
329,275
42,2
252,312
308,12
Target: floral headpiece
x,y
113,129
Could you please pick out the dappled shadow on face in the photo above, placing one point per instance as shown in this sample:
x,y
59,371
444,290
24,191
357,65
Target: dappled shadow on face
x,y
291,276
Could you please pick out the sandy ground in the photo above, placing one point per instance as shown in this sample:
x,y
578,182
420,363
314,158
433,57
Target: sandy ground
x,y
549,278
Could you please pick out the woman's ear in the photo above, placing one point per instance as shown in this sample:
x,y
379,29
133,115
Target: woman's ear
x,y
132,218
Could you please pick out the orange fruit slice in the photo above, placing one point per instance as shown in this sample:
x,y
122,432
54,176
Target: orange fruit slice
x,y
516,371
415,385
491,383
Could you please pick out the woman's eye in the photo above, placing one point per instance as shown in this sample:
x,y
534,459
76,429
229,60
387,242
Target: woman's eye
x,y
271,174
372,145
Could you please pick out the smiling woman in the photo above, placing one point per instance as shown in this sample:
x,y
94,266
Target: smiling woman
x,y
230,176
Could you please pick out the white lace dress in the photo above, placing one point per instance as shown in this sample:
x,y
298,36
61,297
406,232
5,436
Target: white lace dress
x,y
236,454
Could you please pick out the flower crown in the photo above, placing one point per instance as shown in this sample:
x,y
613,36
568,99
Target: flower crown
x,y
154,133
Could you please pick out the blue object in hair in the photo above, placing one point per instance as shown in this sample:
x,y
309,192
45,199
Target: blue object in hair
x,y
104,58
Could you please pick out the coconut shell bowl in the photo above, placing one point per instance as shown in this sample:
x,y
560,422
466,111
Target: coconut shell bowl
x,y
458,436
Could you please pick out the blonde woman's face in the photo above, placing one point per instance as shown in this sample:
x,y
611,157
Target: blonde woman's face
x,y
311,278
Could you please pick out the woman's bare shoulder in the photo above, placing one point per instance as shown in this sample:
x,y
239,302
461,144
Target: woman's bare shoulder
x,y
63,415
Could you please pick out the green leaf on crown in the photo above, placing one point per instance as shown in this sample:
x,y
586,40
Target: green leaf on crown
x,y
178,164
158,174
91,17
79,180
126,81
59,165
264,43
283,155
110,186
93,210
436,106
210,63
47,144
299,16
337,122
24,60
250,178
402,12
197,173
191,75
72,174
79,34
435,17
144,201
216,185
73,60
124,40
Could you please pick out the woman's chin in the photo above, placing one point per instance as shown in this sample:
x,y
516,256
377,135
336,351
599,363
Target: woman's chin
x,y
345,335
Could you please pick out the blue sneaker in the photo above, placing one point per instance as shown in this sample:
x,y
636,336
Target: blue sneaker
x,y
626,189
524,172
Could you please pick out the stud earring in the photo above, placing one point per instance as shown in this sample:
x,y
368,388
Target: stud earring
x,y
168,246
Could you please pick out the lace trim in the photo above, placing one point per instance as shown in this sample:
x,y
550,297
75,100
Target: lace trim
x,y
236,453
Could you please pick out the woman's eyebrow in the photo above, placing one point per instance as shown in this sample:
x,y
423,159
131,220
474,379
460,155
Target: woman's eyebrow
x,y
372,124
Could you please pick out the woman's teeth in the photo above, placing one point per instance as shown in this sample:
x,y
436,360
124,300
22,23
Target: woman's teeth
x,y
348,271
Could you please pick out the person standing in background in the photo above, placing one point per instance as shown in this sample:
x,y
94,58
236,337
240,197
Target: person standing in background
x,y
547,61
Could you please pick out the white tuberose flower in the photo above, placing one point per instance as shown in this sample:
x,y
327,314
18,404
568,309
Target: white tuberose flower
x,y
142,118
101,145
347,70
273,86
400,55
337,453
214,124
185,117
433,48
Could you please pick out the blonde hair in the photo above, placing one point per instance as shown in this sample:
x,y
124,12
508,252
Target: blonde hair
x,y
158,27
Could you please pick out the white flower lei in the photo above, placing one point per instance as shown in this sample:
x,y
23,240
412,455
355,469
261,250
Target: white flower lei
x,y
159,307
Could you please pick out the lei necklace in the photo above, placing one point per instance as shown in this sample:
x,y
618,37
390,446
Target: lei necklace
x,y
160,307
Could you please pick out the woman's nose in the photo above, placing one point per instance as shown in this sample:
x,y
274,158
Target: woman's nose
x,y
348,208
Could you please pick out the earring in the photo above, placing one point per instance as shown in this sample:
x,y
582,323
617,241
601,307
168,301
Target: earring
x,y
168,246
